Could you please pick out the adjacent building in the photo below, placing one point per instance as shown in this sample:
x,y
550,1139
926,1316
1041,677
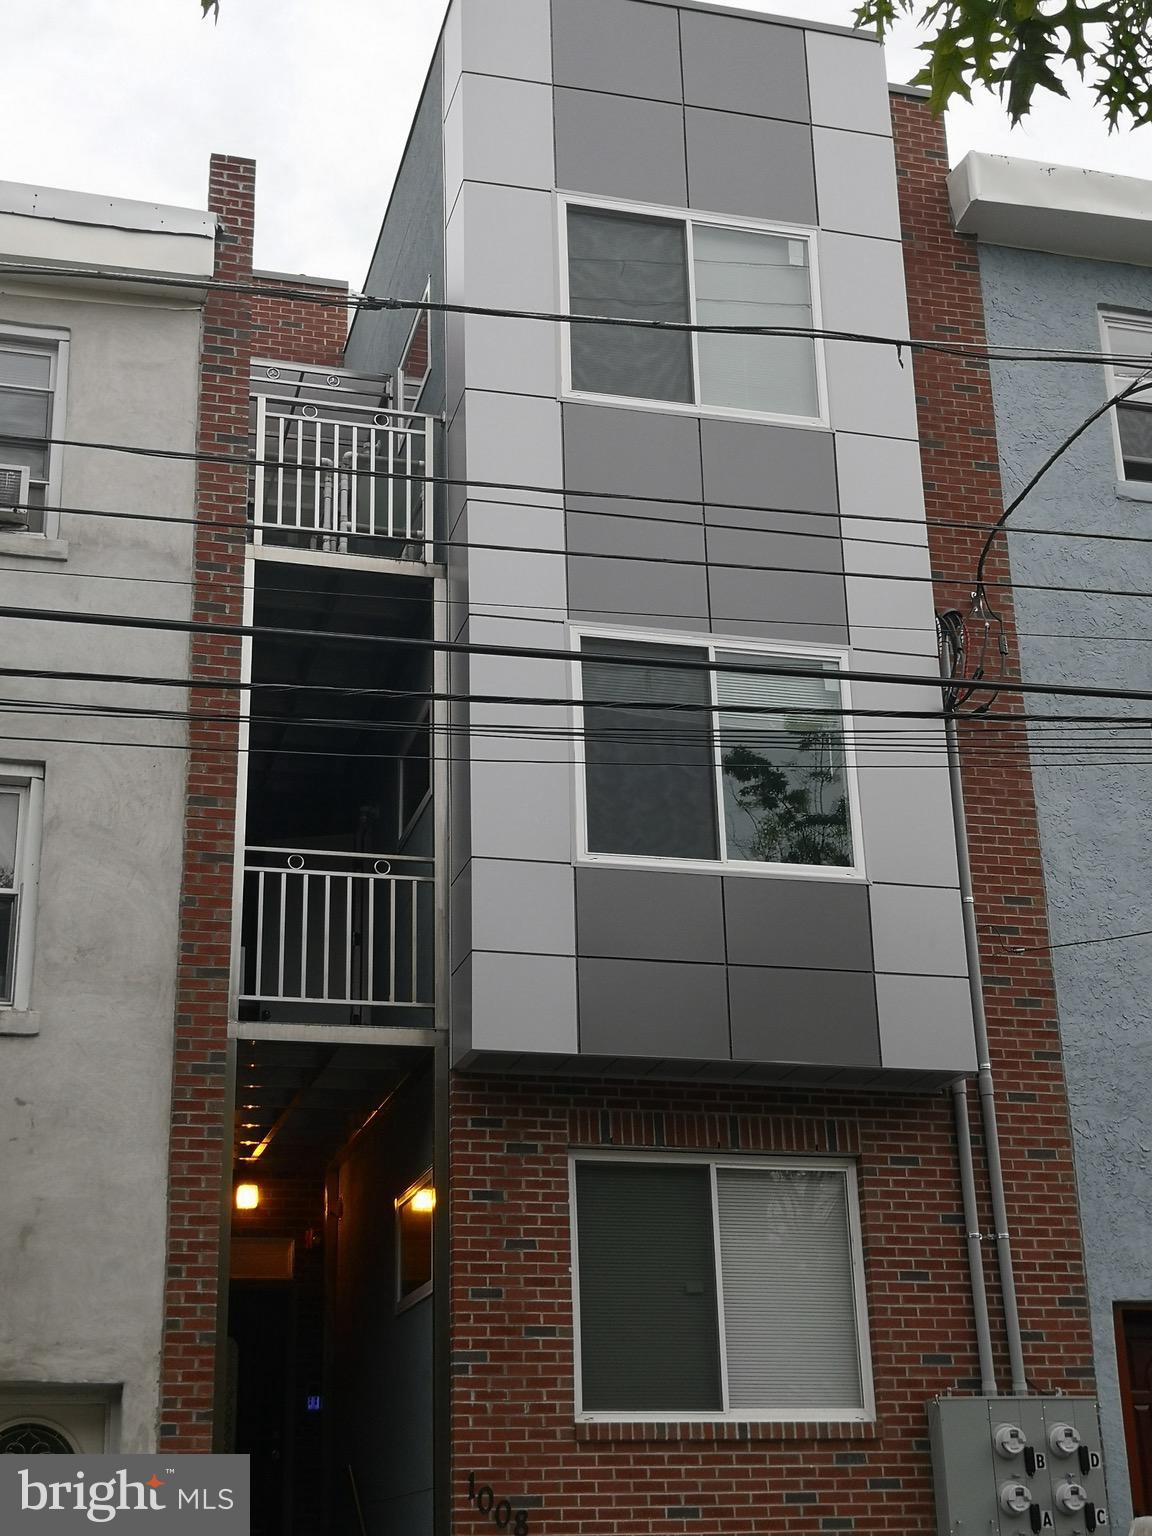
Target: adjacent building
x,y
1065,265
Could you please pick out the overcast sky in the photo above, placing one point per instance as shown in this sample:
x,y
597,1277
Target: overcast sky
x,y
129,97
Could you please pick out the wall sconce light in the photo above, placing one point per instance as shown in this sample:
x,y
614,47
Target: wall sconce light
x,y
423,1201
247,1197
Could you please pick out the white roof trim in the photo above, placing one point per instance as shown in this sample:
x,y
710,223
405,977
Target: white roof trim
x,y
1059,208
111,212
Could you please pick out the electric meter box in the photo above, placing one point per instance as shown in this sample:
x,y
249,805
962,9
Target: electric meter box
x,y
1017,1465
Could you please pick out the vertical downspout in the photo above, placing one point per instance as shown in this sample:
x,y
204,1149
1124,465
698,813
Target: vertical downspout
x,y
984,1065
988,1384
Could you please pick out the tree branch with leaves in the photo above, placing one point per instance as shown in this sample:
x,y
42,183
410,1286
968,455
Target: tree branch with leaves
x,y
1017,47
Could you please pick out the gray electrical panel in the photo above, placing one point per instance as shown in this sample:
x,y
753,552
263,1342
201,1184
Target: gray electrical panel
x,y
1013,1466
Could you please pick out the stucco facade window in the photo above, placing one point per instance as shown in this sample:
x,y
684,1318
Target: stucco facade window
x,y
1130,336
31,389
718,1288
633,263
727,766
20,802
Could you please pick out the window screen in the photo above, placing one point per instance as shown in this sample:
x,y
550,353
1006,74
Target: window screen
x,y
26,415
1133,419
649,769
789,1292
785,786
745,278
634,268
648,1323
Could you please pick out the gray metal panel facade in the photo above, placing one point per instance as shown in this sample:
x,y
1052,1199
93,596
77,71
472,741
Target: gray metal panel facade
x,y
686,523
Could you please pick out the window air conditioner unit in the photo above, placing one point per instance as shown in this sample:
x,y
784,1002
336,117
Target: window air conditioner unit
x,y
14,496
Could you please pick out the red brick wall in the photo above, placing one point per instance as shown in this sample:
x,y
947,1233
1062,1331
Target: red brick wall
x,y
200,1150
962,487
292,331
511,1314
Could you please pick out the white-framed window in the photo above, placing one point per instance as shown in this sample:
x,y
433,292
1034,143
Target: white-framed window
x,y
688,756
710,1287
21,801
415,1216
416,360
1130,335
33,367
631,261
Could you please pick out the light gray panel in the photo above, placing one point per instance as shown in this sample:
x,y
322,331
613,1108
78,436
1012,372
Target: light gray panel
x,y
880,477
609,534
906,817
513,439
862,285
523,1002
523,906
885,554
638,592
918,930
926,1023
460,1010
488,520
460,917
647,914
617,45
759,548
822,924
506,132
512,356
755,167
781,604
503,37
620,146
856,183
645,453
521,810
505,248
746,464
904,606
847,83
500,729
824,1017
870,389
501,580
653,1008
743,66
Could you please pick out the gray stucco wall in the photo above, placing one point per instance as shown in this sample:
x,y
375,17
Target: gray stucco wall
x,y
84,1104
669,106
1095,807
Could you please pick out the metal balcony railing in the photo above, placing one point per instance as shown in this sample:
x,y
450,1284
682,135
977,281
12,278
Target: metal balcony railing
x,y
343,478
353,930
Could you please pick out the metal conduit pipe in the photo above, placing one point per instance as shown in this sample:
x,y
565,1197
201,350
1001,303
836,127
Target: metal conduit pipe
x,y
987,1087
988,1384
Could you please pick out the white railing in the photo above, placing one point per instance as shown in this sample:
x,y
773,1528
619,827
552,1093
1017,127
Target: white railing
x,y
348,929
345,479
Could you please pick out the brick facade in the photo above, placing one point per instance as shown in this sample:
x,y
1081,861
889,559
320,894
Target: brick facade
x,y
511,1312
295,331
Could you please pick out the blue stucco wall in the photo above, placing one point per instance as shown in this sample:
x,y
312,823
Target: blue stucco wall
x,y
1095,805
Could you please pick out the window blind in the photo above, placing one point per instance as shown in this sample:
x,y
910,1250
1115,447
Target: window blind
x,y
648,1334
789,1299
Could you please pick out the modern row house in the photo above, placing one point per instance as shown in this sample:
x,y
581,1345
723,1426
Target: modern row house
x,y
605,1070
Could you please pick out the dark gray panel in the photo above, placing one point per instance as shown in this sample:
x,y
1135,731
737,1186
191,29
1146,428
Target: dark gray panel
x,y
650,1008
789,468
619,146
638,592
744,66
755,547
642,914
648,453
818,923
823,1017
782,604
616,45
600,533
755,167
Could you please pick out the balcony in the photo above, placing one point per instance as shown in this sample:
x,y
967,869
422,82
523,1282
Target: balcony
x,y
335,471
336,938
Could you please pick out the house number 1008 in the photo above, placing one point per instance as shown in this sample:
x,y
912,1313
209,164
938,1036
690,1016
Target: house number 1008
x,y
500,1509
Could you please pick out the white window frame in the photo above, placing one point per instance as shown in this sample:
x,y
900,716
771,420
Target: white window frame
x,y
708,641
715,1161
402,1303
402,379
689,216
28,781
23,338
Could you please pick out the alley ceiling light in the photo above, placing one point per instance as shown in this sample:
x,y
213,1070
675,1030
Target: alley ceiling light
x,y
247,1197
423,1201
